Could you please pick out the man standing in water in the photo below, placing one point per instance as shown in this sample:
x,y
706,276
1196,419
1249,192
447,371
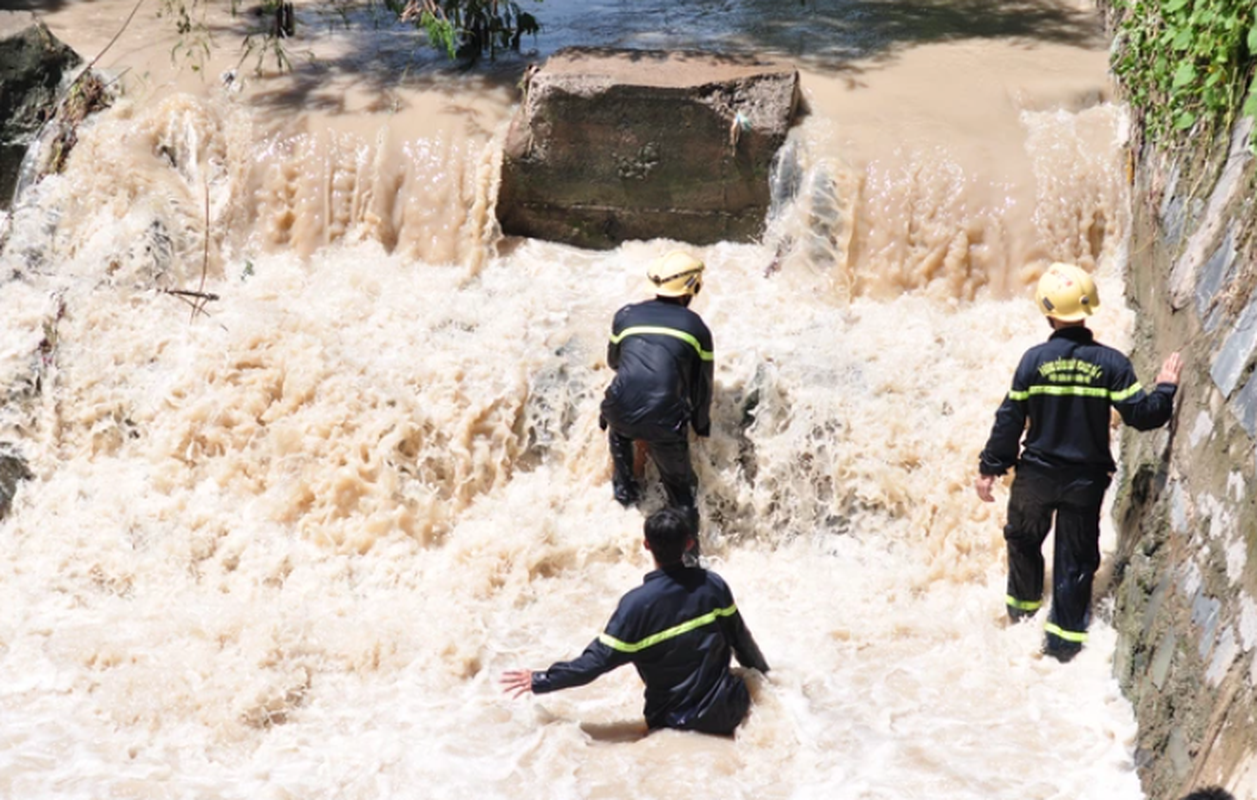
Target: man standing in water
x,y
678,629
1065,387
661,352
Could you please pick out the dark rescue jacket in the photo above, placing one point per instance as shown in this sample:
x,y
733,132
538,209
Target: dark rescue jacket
x,y
678,629
1066,387
663,360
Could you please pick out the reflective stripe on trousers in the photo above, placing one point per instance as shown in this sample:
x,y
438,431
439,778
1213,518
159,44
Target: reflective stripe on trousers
x,y
1072,500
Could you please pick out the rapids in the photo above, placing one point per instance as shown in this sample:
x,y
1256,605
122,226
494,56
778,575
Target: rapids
x,y
284,548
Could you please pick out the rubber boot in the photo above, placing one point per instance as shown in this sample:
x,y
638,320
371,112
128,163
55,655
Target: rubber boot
x,y
623,486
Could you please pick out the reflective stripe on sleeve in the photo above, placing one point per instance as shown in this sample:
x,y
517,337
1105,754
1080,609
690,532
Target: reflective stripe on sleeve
x,y
670,633
1126,393
1023,605
637,330
1069,636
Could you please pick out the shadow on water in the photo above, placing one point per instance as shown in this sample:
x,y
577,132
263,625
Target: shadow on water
x,y
822,35
378,55
615,732
38,6
881,29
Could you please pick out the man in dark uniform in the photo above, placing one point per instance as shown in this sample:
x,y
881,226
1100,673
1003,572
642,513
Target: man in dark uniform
x,y
678,629
662,356
1065,387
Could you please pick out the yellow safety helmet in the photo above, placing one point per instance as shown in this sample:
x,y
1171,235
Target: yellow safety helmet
x,y
678,274
1067,292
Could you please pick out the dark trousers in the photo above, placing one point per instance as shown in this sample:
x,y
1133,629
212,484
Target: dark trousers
x,y
721,713
1074,498
672,459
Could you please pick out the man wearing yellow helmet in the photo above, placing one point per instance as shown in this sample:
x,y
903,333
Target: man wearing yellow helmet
x,y
1064,388
661,352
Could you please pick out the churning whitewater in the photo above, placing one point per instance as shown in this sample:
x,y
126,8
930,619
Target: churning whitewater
x,y
283,545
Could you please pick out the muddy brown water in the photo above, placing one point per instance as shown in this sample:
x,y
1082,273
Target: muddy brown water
x,y
284,550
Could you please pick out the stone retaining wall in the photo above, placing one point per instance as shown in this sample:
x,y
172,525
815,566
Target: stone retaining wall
x,y
1186,589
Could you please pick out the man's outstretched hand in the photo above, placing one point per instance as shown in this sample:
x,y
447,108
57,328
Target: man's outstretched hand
x,y
516,682
1170,369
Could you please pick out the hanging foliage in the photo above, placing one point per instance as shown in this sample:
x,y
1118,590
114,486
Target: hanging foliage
x,y
1187,65
471,28
465,29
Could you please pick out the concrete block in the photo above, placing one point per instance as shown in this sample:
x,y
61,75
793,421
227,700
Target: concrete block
x,y
610,145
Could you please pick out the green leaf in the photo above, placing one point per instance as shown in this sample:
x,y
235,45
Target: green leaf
x,y
1183,40
1252,40
1175,5
1250,105
1185,74
1184,120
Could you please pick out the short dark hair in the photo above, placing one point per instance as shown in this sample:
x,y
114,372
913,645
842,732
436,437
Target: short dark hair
x,y
1210,793
668,531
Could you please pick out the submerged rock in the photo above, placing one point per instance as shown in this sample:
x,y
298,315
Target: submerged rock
x,y
610,145
12,469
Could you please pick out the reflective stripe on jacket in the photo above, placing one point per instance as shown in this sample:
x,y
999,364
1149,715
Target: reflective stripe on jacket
x,y
678,629
663,359
1065,388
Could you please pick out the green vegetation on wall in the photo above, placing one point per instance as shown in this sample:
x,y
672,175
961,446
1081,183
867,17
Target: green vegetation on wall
x,y
1187,65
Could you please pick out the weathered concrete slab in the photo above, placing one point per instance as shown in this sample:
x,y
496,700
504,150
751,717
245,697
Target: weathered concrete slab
x,y
32,65
609,145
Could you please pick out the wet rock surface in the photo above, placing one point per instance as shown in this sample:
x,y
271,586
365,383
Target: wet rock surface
x,y
1185,611
611,145
13,470
33,64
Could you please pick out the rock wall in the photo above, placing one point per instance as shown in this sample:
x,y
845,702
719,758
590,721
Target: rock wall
x,y
1186,507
